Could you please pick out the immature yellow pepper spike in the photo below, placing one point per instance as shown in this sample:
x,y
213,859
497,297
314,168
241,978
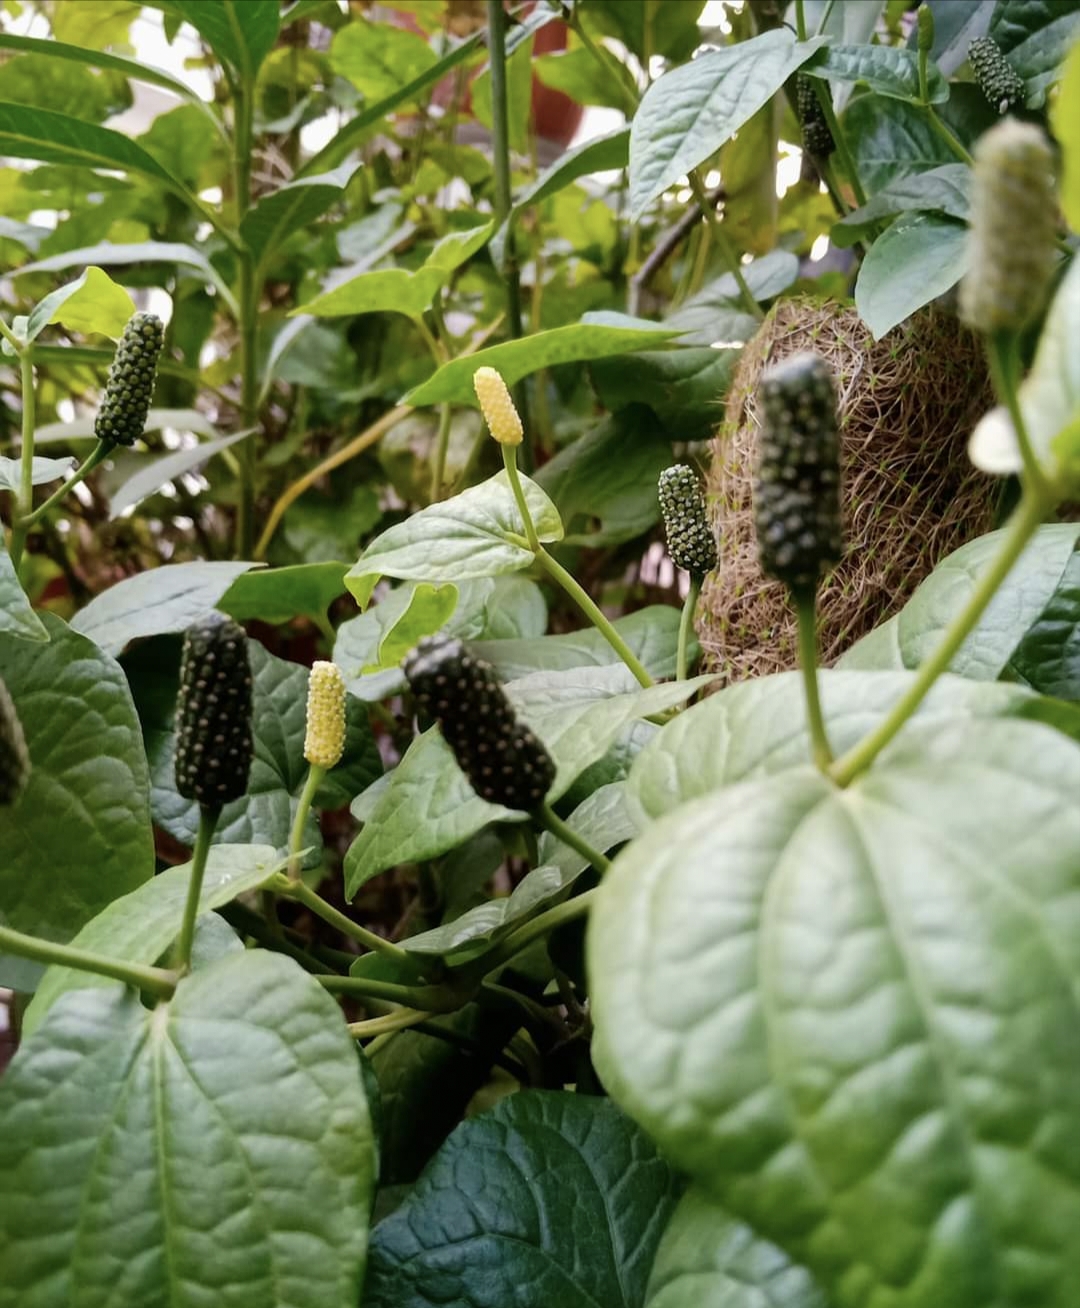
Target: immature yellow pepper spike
x,y
325,738
497,407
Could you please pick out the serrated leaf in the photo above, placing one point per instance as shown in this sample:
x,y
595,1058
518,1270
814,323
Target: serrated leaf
x,y
841,1011
242,32
166,599
79,835
885,69
758,728
17,616
478,533
595,337
42,471
687,115
709,1259
1023,595
93,303
291,208
917,259
550,1198
153,473
278,770
277,595
140,926
217,1148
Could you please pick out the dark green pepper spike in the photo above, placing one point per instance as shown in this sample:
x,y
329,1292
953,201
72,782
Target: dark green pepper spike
x,y
997,79
14,758
129,389
213,713
797,493
503,760
691,541
817,137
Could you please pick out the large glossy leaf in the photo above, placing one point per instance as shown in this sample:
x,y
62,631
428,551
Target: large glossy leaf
x,y
277,595
919,258
549,1199
291,208
140,926
754,729
682,387
688,114
79,835
242,32
215,1149
93,303
716,315
478,533
594,337
708,1259
427,806
1047,657
167,599
939,190
890,140
278,771
1036,36
17,616
851,1014
885,69
153,473
906,639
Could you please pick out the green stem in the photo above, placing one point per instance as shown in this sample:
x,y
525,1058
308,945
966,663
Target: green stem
x,y
587,605
824,98
806,612
559,829
98,455
303,808
727,250
1004,360
430,999
248,313
311,899
25,501
800,20
825,14
509,454
924,79
1028,516
442,445
686,626
945,132
539,927
153,980
630,101
208,820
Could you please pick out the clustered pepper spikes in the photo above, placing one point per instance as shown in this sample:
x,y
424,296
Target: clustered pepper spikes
x,y
324,741
797,493
503,760
691,541
213,713
129,389
14,757
816,134
1012,233
997,79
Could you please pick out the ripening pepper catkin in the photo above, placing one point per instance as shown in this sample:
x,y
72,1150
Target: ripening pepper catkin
x,y
213,713
497,406
129,389
14,757
797,491
691,541
817,137
503,760
997,79
1013,228
324,741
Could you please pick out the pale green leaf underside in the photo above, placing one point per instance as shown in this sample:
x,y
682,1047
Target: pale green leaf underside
x,y
851,1015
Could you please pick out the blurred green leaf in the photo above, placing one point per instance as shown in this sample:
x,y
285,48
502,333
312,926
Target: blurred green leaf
x,y
91,305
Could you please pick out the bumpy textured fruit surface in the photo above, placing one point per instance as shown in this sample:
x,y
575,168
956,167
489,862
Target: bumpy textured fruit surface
x,y
324,741
797,492
14,759
497,406
815,130
503,760
130,385
691,541
997,79
1012,228
213,713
